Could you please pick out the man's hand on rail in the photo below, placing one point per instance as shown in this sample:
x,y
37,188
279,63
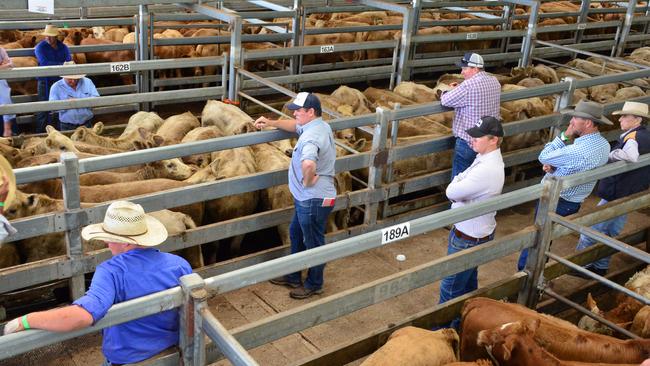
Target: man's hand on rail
x,y
13,326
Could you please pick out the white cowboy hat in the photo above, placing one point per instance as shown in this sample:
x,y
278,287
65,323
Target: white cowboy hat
x,y
126,222
50,30
635,109
8,172
68,63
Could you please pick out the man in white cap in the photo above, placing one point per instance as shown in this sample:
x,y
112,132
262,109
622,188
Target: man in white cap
x,y
74,87
477,96
634,141
311,182
589,150
49,52
135,270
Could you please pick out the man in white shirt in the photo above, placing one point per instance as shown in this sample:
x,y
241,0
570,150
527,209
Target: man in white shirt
x,y
482,180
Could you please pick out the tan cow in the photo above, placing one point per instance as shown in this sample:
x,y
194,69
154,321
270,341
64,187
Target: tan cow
x,y
135,140
416,92
228,118
354,98
199,134
177,223
176,127
150,121
417,347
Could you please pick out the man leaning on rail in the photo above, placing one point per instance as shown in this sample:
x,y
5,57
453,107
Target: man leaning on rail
x,y
480,181
135,270
311,182
72,87
560,158
634,141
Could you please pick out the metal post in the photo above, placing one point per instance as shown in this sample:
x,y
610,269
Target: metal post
x,y
191,340
624,30
379,159
564,100
83,12
528,42
142,51
409,27
506,25
582,20
394,127
528,295
235,57
224,76
294,61
72,202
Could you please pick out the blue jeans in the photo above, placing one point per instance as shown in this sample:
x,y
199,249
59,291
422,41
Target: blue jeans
x,y
611,227
69,126
43,118
564,208
307,231
463,157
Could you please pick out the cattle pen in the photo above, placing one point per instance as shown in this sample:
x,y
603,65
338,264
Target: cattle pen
x,y
405,57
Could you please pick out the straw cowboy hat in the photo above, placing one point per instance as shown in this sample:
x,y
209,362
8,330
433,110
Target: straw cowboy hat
x,y
588,110
8,172
126,222
635,109
50,30
68,63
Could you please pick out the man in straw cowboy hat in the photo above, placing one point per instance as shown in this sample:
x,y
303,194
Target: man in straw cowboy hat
x,y
74,87
589,150
135,270
49,52
7,194
633,142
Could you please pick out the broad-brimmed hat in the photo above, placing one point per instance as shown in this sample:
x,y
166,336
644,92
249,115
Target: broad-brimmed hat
x,y
79,76
50,30
471,59
305,100
589,110
635,109
7,171
487,125
126,222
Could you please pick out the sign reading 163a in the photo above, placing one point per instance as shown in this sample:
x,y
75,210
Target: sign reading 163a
x,y
120,67
395,232
327,48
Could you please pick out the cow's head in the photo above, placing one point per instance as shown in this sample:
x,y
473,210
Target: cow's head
x,y
500,341
173,169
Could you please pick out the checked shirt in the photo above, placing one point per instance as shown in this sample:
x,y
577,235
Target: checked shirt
x,y
474,98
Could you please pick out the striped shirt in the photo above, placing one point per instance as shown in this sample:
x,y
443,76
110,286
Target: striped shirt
x,y
474,98
586,153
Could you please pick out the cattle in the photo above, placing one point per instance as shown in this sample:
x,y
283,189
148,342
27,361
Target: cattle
x,y
603,94
176,127
116,34
150,121
416,92
417,347
53,157
27,87
199,134
135,140
109,56
228,118
475,363
513,344
628,93
354,98
177,223
9,255
641,322
561,338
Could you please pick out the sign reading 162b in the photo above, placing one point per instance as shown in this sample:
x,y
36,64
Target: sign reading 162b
x,y
396,232
120,67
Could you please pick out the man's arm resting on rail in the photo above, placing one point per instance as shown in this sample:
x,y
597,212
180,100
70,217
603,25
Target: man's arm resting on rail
x,y
65,319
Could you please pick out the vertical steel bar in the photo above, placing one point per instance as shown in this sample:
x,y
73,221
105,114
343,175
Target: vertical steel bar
x,y
224,75
143,30
394,127
624,30
193,288
294,61
582,19
529,41
235,57
409,22
380,157
506,25
564,100
72,202
227,344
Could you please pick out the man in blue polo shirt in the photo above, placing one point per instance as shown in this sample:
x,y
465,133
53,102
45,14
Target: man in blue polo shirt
x,y
311,182
135,270
74,87
49,52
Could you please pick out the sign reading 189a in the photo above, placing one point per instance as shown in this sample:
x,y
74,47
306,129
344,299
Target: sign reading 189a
x,y
120,67
396,232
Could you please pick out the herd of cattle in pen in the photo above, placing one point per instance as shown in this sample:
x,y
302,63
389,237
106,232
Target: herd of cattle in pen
x,y
511,335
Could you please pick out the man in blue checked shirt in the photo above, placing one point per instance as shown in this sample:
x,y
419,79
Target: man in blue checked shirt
x,y
74,87
477,96
588,151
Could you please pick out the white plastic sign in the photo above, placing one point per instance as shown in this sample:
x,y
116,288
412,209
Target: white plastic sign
x,y
472,36
327,49
41,6
120,67
395,232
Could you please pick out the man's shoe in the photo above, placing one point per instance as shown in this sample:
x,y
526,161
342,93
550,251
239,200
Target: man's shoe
x,y
598,271
303,292
282,281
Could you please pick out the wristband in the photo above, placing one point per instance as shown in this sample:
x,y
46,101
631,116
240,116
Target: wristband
x,y
24,321
2,204
563,137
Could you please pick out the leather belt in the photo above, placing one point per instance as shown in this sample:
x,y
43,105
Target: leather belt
x,y
462,235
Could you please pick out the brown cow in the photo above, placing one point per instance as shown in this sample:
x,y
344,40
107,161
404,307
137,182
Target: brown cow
x,y
417,347
561,338
513,344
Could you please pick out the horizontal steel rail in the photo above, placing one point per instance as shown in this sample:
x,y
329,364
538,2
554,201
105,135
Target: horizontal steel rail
x,y
67,23
604,171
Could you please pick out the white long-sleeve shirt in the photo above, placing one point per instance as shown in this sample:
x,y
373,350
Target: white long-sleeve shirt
x,y
629,151
482,180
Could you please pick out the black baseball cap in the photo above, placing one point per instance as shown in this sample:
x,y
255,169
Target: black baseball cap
x,y
305,100
487,125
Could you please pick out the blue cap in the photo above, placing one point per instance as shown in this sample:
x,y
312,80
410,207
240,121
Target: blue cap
x,y
305,100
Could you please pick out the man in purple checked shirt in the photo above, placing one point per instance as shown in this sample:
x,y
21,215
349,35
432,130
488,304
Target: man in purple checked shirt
x,y
477,96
